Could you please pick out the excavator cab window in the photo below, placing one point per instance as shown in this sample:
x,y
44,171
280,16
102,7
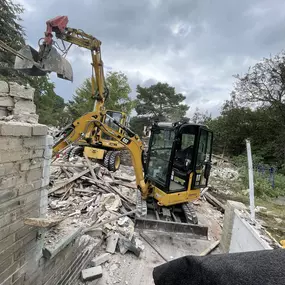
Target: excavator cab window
x,y
118,116
159,154
178,153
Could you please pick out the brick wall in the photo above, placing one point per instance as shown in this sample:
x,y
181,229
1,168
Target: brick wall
x,y
25,152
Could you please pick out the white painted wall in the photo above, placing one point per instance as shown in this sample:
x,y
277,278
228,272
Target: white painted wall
x,y
245,237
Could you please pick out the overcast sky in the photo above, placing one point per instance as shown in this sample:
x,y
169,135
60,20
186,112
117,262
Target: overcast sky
x,y
194,45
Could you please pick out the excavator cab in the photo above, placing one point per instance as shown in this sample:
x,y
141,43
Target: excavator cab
x,y
178,161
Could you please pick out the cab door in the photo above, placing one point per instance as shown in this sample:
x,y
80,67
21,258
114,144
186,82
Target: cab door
x,y
203,159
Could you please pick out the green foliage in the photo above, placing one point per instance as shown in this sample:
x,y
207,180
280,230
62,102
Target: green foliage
x,y
82,102
11,32
49,105
119,90
262,186
118,99
160,102
137,124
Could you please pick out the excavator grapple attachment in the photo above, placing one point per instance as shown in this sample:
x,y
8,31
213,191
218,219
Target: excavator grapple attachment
x,y
54,62
40,63
27,62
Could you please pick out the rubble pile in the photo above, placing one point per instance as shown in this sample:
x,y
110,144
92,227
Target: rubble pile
x,y
91,199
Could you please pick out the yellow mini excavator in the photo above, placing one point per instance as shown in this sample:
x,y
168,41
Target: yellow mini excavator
x,y
178,160
95,144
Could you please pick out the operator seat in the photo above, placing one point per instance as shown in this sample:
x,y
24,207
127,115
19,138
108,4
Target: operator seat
x,y
179,167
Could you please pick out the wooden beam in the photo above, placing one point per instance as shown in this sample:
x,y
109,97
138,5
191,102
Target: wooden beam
x,y
69,180
43,222
215,202
210,248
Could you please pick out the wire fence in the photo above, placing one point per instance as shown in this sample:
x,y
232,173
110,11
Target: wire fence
x,y
266,172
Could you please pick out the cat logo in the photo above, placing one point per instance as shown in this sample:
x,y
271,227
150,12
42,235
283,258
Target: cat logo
x,y
125,141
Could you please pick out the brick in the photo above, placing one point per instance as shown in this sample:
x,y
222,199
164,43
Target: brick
x,y
9,168
21,91
6,195
6,101
40,130
15,129
35,142
112,243
18,155
4,87
11,181
17,245
18,202
32,164
11,143
23,106
21,278
29,187
34,175
91,273
25,117
25,230
9,229
7,242
11,270
6,263
98,260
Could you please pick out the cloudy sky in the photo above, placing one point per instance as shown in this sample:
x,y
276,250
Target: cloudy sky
x,y
194,45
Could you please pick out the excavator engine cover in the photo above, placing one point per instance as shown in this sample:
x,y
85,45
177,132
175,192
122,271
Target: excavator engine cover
x,y
43,62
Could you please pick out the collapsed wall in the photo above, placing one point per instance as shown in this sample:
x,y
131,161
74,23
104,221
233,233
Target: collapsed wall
x,y
25,152
25,156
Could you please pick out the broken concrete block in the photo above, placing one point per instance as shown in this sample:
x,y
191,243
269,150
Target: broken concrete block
x,y
6,101
126,245
25,117
4,87
91,273
23,106
21,91
96,233
98,260
112,243
40,130
15,129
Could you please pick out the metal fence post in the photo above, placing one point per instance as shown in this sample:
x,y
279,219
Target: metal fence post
x,y
250,180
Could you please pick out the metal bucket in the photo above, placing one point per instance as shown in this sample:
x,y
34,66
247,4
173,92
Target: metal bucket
x,y
40,63
27,62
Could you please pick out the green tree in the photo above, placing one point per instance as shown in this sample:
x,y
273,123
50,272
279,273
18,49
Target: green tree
x,y
119,90
49,105
200,117
118,99
160,102
11,33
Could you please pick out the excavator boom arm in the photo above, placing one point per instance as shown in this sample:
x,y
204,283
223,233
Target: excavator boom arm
x,y
78,37
130,140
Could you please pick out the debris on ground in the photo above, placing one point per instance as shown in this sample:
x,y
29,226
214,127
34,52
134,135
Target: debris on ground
x,y
86,197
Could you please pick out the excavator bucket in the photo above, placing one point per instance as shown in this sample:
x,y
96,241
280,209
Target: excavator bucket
x,y
30,62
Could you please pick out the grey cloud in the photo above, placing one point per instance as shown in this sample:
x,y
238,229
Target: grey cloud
x,y
193,45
